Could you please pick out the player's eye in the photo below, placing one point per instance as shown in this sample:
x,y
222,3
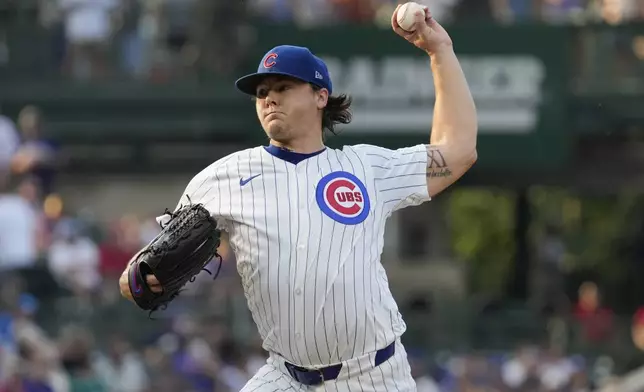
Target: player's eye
x,y
261,93
283,88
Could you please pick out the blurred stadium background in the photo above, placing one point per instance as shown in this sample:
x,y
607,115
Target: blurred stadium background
x,y
526,276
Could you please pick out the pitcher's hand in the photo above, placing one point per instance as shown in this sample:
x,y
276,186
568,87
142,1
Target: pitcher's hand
x,y
124,284
428,35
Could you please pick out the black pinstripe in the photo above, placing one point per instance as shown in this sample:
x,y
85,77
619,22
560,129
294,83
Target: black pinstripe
x,y
397,176
360,375
245,254
404,187
317,260
374,199
268,247
266,382
355,297
298,225
326,287
377,155
389,361
306,259
279,252
338,279
260,277
289,287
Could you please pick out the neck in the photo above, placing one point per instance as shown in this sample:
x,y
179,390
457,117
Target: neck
x,y
301,146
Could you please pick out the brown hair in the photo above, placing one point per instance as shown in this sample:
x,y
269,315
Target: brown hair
x,y
337,111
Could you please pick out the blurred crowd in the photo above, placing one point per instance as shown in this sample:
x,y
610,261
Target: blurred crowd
x,y
161,39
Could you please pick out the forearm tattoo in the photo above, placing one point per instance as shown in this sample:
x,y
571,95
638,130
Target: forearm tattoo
x,y
436,164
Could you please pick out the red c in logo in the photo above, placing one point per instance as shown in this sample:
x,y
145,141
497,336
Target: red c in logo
x,y
269,61
333,201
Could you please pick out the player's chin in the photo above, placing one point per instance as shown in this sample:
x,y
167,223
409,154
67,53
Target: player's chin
x,y
275,130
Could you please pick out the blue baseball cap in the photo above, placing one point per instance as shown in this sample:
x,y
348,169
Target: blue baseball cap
x,y
287,60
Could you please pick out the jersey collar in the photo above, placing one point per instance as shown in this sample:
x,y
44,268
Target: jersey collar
x,y
288,155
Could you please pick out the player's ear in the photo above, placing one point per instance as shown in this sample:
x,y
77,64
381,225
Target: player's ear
x,y
322,96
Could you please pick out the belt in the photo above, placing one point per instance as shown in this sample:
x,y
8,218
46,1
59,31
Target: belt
x,y
318,376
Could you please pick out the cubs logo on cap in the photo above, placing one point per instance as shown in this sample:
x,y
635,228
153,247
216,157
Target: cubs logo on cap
x,y
270,60
343,197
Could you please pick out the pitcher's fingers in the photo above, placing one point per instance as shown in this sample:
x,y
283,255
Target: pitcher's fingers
x,y
394,19
151,280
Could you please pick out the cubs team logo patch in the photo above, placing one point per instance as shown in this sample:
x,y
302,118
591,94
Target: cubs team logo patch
x,y
343,198
270,60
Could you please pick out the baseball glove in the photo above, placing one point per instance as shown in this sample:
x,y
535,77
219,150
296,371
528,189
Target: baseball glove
x,y
186,244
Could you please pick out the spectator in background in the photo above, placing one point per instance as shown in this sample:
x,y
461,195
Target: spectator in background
x,y
519,373
74,259
29,190
420,373
122,370
76,350
632,359
131,43
233,370
442,10
88,29
36,156
354,11
561,11
19,231
619,11
595,321
220,27
551,251
276,10
9,142
193,358
34,366
7,369
51,18
34,372
476,373
115,252
637,329
475,11
27,333
255,355
178,18
556,372
125,236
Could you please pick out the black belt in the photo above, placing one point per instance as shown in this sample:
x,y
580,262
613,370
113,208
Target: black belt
x,y
318,376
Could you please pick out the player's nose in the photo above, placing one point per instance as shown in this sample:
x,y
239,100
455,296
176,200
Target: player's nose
x,y
271,98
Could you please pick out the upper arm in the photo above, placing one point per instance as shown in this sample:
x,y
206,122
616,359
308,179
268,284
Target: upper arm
x,y
446,164
399,175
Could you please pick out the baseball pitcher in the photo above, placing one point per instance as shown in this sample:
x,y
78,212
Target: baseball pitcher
x,y
306,222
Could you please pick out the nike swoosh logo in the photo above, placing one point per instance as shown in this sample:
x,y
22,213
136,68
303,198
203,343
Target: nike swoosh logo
x,y
243,182
135,285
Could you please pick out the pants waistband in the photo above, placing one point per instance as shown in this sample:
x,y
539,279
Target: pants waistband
x,y
318,376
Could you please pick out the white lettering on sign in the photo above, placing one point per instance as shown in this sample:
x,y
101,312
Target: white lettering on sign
x,y
397,93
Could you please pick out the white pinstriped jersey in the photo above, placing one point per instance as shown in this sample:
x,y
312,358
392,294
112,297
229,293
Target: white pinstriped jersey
x,y
308,238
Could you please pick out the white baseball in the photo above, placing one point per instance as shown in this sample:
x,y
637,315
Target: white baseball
x,y
405,15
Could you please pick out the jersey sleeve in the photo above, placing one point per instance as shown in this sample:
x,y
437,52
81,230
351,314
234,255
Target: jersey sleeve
x,y
203,188
400,176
